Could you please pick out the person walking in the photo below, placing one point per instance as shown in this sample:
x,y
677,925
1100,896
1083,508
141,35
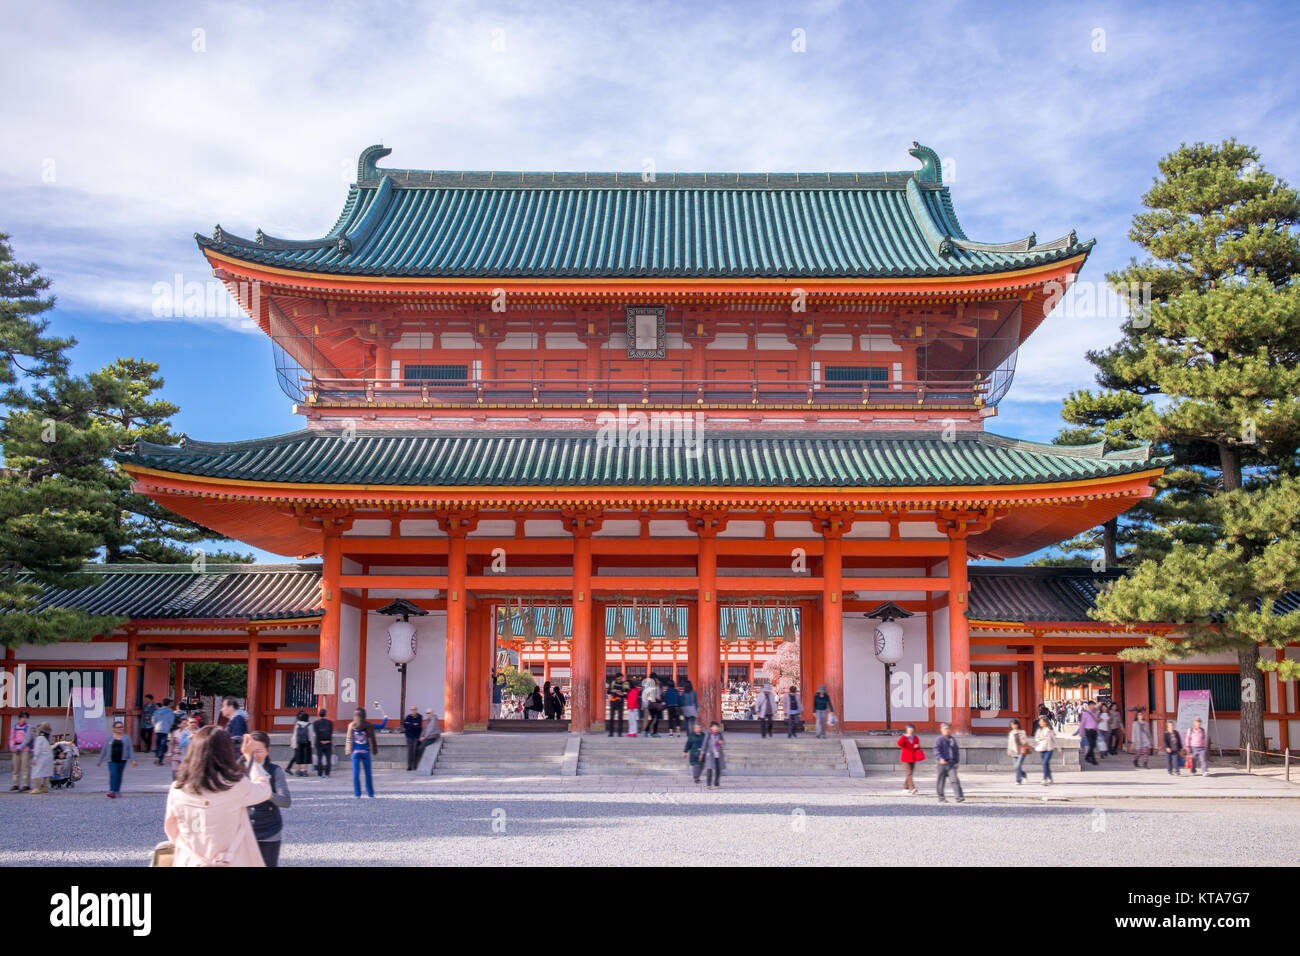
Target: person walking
x,y
322,729
300,738
822,707
412,728
948,752
42,759
118,752
652,704
910,753
1088,724
1116,728
793,712
1197,744
617,699
633,709
175,751
21,738
361,747
673,705
690,705
431,732
548,702
558,702
206,817
1102,737
163,718
146,724
1139,736
265,817
715,760
765,710
1044,745
1172,744
694,752
1018,747
236,721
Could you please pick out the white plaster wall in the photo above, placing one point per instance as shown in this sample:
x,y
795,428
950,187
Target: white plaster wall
x,y
619,529
743,529
71,651
864,676
942,660
349,656
369,528
425,676
545,529
421,528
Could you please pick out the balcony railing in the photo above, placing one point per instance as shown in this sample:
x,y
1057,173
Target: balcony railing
x,y
931,391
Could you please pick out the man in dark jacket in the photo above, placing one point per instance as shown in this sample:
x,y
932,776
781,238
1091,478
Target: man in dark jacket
x,y
323,732
412,724
617,699
948,752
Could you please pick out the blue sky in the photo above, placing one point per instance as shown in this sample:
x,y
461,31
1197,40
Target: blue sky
x,y
127,128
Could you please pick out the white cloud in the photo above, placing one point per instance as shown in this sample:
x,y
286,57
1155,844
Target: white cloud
x,y
152,141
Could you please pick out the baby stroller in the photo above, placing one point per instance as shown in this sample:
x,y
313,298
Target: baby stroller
x,y
66,769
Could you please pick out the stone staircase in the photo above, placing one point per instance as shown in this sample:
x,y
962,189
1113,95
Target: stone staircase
x,y
747,756
500,755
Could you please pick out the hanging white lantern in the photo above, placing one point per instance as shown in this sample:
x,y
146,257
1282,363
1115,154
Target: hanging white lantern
x,y
889,642
401,642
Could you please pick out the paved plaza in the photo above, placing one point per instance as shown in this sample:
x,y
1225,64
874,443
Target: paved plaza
x,y
1113,816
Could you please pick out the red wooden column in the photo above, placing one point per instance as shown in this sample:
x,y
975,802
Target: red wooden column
x,y
599,701
1037,689
958,629
332,603
253,702
581,651
832,655
708,686
454,699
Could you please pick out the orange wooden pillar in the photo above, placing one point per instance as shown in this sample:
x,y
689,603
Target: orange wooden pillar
x,y
581,650
810,639
958,631
1036,691
454,695
476,680
708,688
832,651
598,695
253,702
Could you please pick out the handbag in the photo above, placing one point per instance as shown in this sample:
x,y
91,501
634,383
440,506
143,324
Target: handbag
x,y
163,854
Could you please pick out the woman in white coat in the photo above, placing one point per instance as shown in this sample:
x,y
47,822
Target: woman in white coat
x,y
42,760
207,806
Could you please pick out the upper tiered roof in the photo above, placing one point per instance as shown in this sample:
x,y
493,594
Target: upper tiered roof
x,y
423,223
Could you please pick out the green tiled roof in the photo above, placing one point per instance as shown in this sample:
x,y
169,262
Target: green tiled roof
x,y
531,459
256,592
725,225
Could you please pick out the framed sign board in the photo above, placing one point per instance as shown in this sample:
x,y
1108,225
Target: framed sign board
x,y
324,681
647,334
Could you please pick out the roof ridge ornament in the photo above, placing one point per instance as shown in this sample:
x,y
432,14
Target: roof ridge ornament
x,y
366,168
931,170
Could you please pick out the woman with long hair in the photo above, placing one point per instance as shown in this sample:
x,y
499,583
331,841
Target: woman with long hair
x,y
207,807
361,747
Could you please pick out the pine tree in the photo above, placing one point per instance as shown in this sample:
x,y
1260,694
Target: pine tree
x,y
53,511
1214,349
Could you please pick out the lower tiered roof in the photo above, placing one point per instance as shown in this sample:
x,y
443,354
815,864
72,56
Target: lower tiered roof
x,y
463,459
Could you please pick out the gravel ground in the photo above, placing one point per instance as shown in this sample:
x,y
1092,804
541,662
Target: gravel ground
x,y
593,821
